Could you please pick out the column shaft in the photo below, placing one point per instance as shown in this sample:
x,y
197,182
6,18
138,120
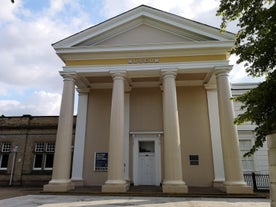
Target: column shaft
x,y
126,164
173,179
63,148
78,157
215,136
234,181
116,156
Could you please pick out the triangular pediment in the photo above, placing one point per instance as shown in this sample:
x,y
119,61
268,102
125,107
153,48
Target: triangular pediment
x,y
143,26
148,32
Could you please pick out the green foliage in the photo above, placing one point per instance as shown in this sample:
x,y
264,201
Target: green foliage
x,y
255,41
255,45
260,109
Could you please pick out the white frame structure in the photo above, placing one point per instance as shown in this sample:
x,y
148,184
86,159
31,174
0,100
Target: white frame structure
x,y
147,136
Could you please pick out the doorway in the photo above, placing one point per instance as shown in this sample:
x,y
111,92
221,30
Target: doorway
x,y
146,160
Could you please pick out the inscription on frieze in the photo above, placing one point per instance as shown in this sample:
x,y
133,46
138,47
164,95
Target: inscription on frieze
x,y
143,60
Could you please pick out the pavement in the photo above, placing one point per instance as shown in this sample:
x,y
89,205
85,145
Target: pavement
x,y
32,197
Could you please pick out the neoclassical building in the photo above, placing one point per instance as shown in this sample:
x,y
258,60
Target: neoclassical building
x,y
154,106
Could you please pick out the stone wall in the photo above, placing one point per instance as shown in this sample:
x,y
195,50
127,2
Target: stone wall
x,y
25,131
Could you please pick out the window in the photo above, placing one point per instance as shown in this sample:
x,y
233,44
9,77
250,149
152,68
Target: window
x,y
4,156
146,146
247,162
44,156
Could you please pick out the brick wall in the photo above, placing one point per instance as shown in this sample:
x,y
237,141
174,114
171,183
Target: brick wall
x,y
24,132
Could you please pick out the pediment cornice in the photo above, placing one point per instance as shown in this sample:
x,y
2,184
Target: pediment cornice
x,y
144,15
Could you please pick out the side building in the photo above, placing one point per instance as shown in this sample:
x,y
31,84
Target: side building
x,y
257,163
27,145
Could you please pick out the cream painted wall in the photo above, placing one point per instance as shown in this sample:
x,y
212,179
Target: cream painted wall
x,y
143,35
97,136
195,135
146,114
146,110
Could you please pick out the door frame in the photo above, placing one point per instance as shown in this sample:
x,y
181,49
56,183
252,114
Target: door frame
x,y
146,137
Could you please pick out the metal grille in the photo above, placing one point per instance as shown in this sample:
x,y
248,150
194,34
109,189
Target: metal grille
x,y
39,147
257,181
50,147
6,147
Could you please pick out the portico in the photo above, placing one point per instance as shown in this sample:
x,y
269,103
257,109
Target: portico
x,y
143,80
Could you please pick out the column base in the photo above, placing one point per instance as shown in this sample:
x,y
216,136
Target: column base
x,y
238,188
115,187
58,186
77,182
174,187
272,193
219,184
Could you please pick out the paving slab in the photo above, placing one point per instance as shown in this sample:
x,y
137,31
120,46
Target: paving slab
x,y
113,201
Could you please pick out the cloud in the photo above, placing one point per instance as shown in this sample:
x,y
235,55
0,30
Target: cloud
x,y
28,62
238,73
187,8
39,103
8,11
29,79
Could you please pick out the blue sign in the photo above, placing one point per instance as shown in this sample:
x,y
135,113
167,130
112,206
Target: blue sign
x,y
101,161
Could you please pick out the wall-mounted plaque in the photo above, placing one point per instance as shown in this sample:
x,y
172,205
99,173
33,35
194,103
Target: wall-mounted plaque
x,y
100,161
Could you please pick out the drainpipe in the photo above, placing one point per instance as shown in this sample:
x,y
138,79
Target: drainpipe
x,y
13,163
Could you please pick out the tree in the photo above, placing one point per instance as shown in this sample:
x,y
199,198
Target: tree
x,y
255,44
260,108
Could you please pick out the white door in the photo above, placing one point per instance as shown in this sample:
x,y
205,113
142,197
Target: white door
x,y
146,160
146,163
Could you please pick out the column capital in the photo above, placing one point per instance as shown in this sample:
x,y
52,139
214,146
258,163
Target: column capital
x,y
67,76
83,90
222,70
118,74
210,86
168,73
127,87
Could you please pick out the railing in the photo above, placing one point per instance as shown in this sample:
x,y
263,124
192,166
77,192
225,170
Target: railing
x,y
258,181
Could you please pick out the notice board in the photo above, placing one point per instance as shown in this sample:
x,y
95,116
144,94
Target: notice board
x,y
100,161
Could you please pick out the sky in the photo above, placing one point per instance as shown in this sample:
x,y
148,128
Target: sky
x,y
29,68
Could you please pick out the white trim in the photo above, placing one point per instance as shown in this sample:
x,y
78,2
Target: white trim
x,y
148,47
147,136
79,145
146,132
1,157
137,67
45,160
126,170
38,168
143,12
215,133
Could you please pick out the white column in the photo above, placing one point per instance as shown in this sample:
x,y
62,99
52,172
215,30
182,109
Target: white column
x,y
234,181
126,165
116,155
173,178
212,99
63,148
78,156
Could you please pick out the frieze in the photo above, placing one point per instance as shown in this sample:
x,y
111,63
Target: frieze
x,y
143,60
